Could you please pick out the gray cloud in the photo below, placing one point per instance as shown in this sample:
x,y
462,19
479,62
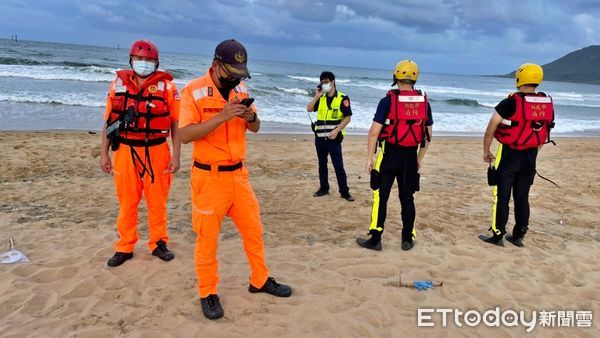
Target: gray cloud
x,y
447,32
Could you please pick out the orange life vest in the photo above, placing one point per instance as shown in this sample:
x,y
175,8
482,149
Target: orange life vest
x,y
530,125
406,122
143,112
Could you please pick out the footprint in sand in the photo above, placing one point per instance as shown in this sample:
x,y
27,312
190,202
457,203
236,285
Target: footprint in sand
x,y
52,275
82,289
24,270
38,302
551,275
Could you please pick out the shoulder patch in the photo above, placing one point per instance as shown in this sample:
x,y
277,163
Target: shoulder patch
x,y
346,103
210,91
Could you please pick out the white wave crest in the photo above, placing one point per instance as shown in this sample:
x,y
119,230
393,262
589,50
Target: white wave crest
x,y
64,99
87,74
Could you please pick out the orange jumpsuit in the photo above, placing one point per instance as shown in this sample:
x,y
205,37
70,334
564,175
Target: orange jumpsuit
x,y
129,183
218,193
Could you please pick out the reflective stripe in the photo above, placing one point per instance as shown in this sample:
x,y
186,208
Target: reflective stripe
x,y
325,127
507,122
323,134
538,99
411,98
200,93
495,190
376,201
161,86
387,122
119,88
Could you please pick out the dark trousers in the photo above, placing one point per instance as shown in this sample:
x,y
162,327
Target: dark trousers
x,y
397,164
332,148
515,173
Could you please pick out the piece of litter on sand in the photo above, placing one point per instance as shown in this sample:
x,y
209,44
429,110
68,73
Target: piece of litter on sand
x,y
423,285
13,256
420,285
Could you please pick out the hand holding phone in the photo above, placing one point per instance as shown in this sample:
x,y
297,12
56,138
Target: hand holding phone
x,y
247,101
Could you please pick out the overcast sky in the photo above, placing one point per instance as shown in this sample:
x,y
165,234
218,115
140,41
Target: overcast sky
x,y
447,36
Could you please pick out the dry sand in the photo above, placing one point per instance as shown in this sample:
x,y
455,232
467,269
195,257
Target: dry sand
x,y
61,210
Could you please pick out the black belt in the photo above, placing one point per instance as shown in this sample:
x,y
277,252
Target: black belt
x,y
142,143
207,167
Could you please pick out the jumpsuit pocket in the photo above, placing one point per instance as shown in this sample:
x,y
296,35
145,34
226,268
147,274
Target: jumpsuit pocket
x,y
412,182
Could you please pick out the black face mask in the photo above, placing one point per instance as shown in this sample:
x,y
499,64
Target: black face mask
x,y
229,83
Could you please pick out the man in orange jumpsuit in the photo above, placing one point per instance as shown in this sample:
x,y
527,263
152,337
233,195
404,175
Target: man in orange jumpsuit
x,y
142,109
215,116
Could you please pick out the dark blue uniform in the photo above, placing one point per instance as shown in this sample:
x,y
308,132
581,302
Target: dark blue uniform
x,y
326,147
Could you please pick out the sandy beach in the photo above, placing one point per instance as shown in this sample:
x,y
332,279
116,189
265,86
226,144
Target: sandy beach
x,y
61,211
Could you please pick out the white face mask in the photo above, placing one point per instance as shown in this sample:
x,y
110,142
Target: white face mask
x,y
326,87
143,68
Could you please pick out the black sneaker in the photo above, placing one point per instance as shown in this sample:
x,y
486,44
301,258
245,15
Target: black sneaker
x,y
496,239
321,192
211,307
517,241
370,243
348,197
407,245
162,252
273,288
119,258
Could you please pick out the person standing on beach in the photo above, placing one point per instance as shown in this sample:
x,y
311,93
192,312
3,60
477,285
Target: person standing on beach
x,y
142,109
333,115
215,114
522,124
402,127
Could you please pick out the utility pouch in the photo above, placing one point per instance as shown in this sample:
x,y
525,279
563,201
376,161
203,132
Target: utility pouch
x,y
491,176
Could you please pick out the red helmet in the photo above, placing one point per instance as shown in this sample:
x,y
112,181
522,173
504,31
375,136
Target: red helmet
x,y
144,48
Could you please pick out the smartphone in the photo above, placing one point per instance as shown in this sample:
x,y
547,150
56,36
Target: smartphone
x,y
247,101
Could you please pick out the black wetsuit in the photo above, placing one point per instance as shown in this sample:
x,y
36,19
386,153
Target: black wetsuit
x,y
515,172
398,164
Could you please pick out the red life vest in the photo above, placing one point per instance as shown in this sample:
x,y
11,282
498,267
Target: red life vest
x,y
406,122
144,111
530,125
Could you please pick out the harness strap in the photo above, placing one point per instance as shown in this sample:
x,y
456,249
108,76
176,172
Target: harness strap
x,y
136,158
142,143
208,167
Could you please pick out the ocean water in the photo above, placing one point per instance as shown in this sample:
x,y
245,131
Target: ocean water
x,y
60,86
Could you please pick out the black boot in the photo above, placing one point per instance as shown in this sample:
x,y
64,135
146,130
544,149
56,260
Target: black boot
x,y
407,244
273,288
162,252
517,241
495,239
211,307
373,243
347,197
119,258
321,192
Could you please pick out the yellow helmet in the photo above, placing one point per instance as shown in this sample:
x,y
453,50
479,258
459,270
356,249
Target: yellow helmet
x,y
406,70
529,73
